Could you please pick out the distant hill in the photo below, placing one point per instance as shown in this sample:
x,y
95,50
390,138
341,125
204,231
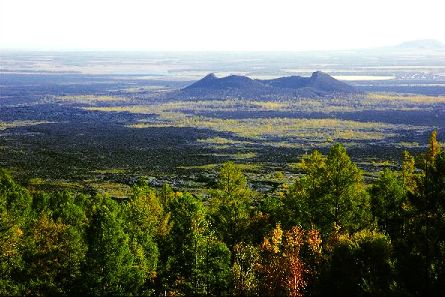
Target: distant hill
x,y
421,44
319,84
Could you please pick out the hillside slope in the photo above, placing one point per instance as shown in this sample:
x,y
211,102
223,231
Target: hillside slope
x,y
319,84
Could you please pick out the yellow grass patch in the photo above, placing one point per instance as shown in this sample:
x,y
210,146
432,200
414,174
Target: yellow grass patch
x,y
408,98
16,124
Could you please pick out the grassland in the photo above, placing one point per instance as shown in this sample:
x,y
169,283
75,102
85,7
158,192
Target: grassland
x,y
303,129
279,129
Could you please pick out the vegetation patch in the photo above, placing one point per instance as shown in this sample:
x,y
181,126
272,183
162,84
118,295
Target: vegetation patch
x,y
17,124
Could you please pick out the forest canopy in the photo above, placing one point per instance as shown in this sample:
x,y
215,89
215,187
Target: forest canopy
x,y
327,233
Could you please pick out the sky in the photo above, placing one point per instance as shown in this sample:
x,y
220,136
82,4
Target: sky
x,y
217,25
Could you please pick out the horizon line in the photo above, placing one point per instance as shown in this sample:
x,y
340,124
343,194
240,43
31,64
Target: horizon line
x,y
147,50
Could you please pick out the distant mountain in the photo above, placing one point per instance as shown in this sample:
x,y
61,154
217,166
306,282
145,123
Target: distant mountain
x,y
319,84
421,44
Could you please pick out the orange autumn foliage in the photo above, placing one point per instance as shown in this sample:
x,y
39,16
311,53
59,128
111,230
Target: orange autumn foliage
x,y
283,270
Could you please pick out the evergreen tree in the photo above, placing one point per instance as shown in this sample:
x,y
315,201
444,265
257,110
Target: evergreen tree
x,y
358,265
195,262
230,204
331,193
424,246
110,268
389,203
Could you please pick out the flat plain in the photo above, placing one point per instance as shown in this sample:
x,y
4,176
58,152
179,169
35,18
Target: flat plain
x,y
90,119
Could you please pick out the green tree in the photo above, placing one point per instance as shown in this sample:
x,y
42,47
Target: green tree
x,y
194,261
216,268
15,200
358,265
15,210
55,253
425,241
408,172
331,193
389,203
144,221
230,204
110,267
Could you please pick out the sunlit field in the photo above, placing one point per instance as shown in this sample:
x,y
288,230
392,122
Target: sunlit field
x,y
112,118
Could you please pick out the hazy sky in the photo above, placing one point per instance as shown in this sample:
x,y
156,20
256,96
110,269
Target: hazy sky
x,y
217,24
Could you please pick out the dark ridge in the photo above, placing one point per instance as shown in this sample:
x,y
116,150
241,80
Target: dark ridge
x,y
288,82
207,80
319,84
233,81
323,81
